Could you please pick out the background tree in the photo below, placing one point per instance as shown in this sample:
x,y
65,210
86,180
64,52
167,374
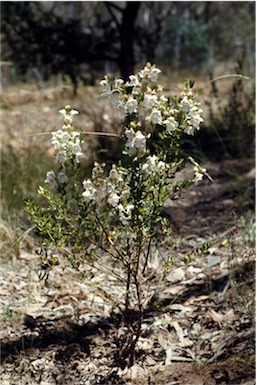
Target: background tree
x,y
81,39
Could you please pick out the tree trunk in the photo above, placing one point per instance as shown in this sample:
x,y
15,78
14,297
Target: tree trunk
x,y
127,34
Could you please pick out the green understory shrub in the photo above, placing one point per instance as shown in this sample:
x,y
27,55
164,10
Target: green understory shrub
x,y
112,222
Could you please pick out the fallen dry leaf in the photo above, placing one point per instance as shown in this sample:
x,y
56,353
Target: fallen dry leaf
x,y
228,317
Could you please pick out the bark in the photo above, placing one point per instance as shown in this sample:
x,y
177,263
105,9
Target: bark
x,y
127,34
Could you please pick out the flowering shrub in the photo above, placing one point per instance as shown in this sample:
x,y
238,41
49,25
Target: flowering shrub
x,y
117,212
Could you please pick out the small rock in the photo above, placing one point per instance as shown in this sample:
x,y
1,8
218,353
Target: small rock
x,y
38,364
176,275
213,260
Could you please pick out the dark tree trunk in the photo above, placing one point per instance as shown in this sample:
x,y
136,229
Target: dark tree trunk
x,y
127,33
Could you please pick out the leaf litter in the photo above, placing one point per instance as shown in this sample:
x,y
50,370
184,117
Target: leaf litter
x,y
192,332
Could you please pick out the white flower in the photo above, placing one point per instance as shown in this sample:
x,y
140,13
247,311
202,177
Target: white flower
x,y
68,113
118,83
139,140
51,180
199,172
153,76
103,190
61,156
131,105
113,199
125,213
150,164
58,139
198,176
114,175
75,149
133,81
161,165
129,133
155,117
195,120
66,145
171,124
116,98
192,123
150,101
144,73
62,177
153,164
106,87
186,104
90,190
128,209
192,113
150,72
136,142
163,99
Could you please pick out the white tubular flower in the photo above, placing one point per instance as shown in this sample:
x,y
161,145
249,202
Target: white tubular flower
x,y
162,165
57,139
113,199
150,164
193,121
136,142
102,191
61,156
144,73
186,104
155,117
128,209
114,175
90,190
51,180
68,113
153,164
116,98
129,133
198,176
118,83
196,119
62,177
150,72
171,124
199,173
106,87
139,140
133,80
66,145
150,101
125,213
192,113
153,76
76,150
131,105
135,83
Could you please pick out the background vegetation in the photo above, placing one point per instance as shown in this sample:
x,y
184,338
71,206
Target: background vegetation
x,y
55,53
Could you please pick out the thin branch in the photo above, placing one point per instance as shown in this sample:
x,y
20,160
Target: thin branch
x,y
237,76
114,5
94,133
109,8
147,256
99,133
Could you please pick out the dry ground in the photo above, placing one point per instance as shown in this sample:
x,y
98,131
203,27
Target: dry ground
x,y
197,330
